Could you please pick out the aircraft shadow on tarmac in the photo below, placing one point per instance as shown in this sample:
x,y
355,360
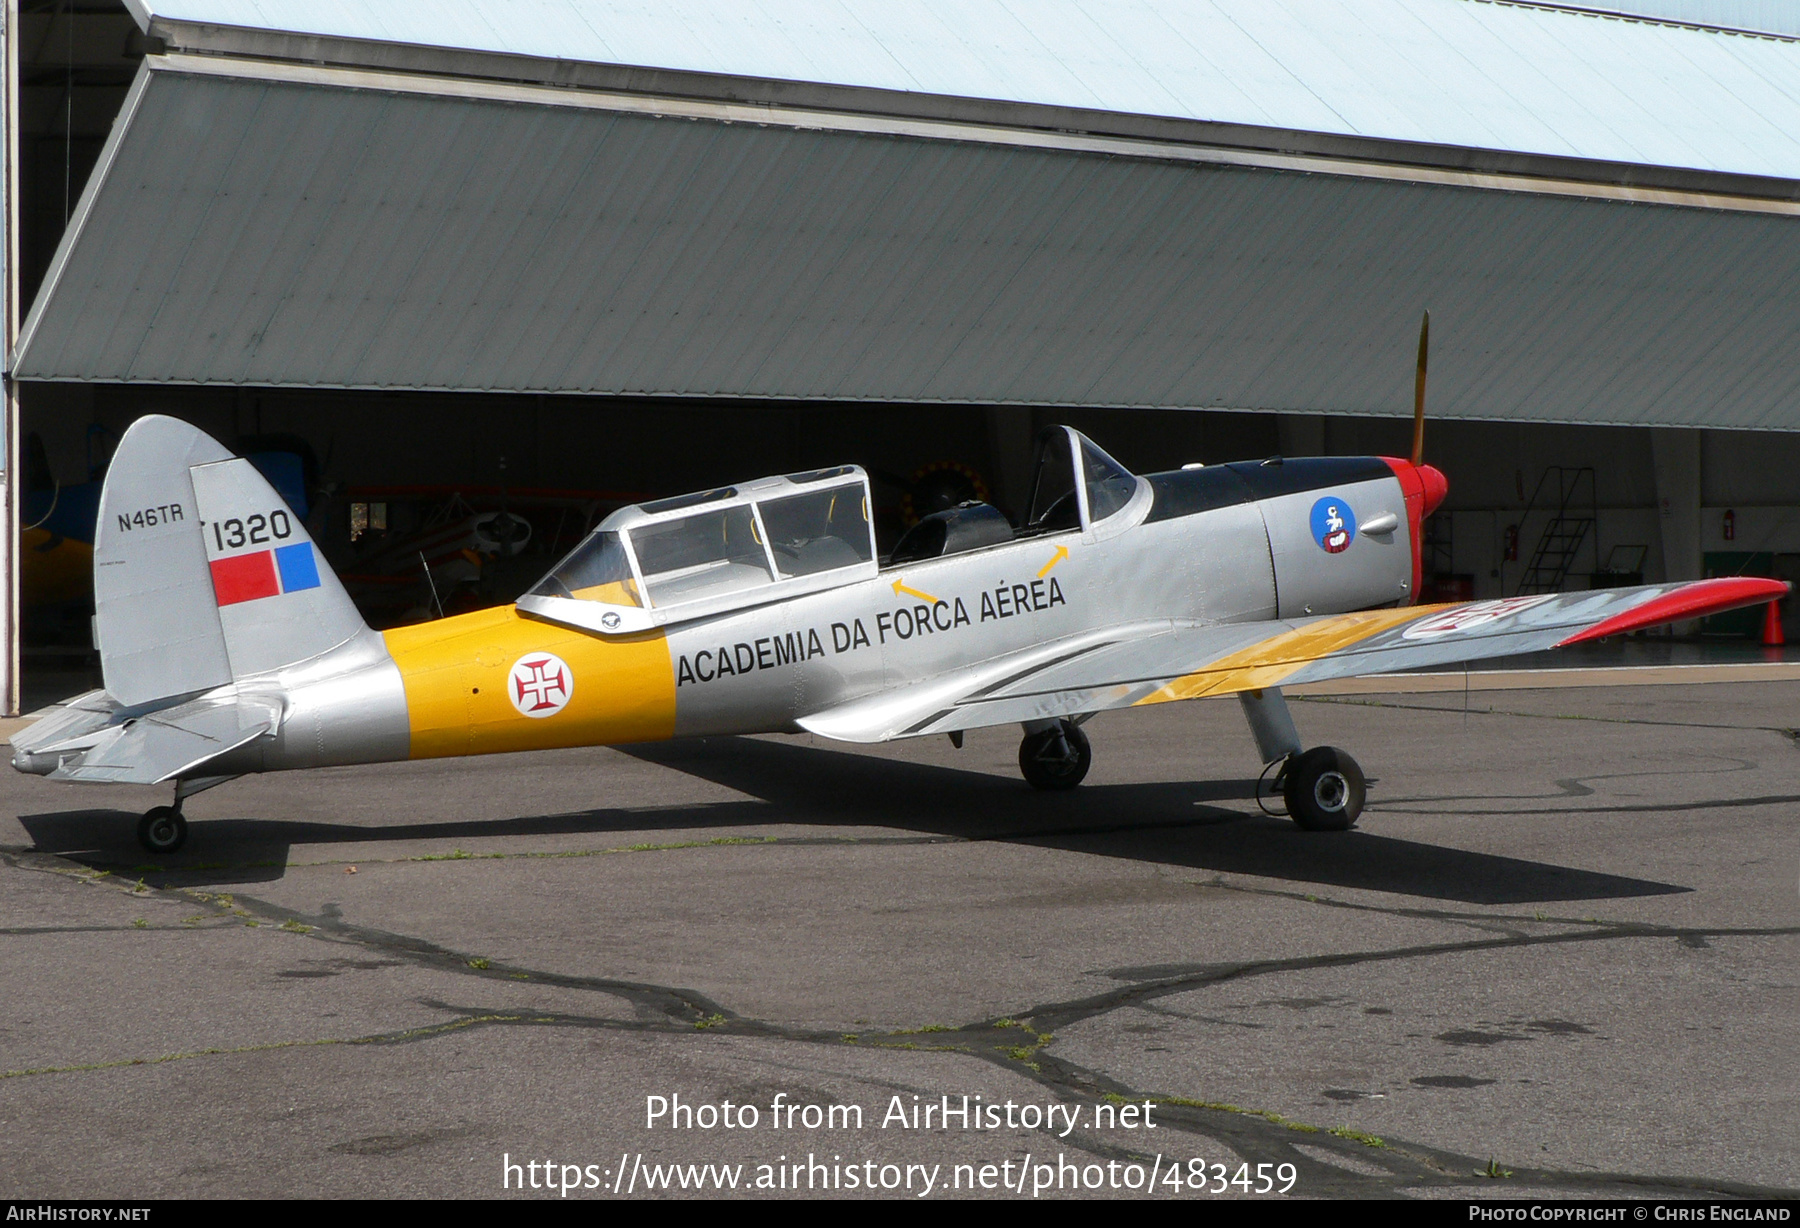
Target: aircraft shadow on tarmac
x,y
1167,823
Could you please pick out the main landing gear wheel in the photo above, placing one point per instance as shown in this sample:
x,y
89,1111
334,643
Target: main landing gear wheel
x,y
1324,789
162,831
1055,758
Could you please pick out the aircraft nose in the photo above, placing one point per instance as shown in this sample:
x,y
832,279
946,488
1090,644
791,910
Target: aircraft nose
x,y
1436,486
1424,486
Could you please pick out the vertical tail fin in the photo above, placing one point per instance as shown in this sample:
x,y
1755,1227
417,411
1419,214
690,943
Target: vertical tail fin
x,y
202,574
154,613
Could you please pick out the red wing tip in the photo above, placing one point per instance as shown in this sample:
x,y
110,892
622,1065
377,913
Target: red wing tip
x,y
1695,600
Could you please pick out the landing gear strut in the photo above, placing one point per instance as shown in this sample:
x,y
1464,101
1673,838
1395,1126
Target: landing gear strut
x,y
1056,757
162,830
1324,789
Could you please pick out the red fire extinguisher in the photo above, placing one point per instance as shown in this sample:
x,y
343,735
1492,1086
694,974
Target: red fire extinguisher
x,y
1730,525
1510,548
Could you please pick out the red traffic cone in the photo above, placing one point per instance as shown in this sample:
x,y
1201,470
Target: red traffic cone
x,y
1772,637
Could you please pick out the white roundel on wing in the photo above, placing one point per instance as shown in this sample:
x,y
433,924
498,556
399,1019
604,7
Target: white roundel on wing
x,y
541,684
1468,617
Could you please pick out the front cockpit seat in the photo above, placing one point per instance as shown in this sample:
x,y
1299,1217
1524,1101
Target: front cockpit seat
x,y
967,526
1062,515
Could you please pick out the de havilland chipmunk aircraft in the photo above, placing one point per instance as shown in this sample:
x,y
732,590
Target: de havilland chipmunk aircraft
x,y
227,645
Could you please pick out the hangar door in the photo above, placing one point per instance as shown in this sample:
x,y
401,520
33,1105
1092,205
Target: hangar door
x,y
257,223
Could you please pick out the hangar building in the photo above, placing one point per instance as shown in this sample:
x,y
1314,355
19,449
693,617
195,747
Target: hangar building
x,y
575,251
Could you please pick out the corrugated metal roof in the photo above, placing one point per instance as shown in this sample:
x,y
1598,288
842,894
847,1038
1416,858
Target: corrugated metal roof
x,y
1763,16
282,233
1459,73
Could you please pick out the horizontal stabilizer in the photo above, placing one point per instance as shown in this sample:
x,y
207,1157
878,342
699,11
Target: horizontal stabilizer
x,y
148,750
63,721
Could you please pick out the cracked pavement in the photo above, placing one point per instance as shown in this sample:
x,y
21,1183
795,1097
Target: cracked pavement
x,y
1562,940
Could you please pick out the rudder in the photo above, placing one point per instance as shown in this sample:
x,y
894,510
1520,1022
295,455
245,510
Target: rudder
x,y
279,602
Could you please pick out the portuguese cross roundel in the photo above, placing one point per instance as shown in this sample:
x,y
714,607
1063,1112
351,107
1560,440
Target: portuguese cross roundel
x,y
541,684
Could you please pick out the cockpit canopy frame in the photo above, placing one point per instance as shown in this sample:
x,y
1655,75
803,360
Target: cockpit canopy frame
x,y
712,552
1076,486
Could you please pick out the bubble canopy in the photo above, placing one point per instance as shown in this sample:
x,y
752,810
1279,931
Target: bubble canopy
x,y
713,551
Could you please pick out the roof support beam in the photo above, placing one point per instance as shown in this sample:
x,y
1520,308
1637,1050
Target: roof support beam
x,y
1590,181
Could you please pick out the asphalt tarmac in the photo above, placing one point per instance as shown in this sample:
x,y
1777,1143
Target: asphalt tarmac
x,y
1559,956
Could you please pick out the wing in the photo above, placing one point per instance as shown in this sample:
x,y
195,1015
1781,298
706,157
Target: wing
x,y
1154,662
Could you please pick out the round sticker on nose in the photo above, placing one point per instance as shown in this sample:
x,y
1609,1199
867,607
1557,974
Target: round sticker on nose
x,y
541,684
1333,524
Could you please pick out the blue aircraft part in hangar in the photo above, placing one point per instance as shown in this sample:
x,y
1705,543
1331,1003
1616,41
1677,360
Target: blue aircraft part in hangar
x,y
1214,205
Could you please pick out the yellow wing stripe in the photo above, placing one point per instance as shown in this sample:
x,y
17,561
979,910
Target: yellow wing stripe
x,y
1272,661
456,673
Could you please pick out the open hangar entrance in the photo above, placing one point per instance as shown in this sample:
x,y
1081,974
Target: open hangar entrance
x,y
561,463
401,264
383,473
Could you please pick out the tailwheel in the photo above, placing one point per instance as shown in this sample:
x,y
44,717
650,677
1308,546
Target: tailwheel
x,y
162,830
1055,758
1324,789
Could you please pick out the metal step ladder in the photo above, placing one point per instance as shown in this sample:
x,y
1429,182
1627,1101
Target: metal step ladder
x,y
1558,492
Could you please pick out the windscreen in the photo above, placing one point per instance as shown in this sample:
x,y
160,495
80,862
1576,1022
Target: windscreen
x,y
700,556
596,570
1109,484
1053,490
821,530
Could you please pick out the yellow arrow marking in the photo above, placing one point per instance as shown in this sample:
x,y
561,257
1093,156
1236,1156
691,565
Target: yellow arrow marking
x,y
1062,552
913,592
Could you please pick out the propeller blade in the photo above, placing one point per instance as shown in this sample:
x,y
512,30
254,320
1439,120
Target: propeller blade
x,y
1418,448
